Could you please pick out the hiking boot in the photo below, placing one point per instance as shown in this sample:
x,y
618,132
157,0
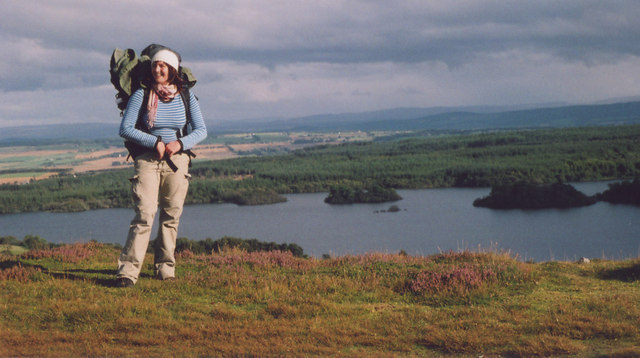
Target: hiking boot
x,y
159,276
124,282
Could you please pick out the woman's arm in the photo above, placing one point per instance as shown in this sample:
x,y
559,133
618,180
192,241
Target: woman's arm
x,y
128,128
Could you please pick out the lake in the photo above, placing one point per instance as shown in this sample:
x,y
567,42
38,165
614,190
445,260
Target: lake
x,y
429,221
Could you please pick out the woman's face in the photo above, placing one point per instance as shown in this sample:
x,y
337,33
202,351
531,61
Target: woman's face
x,y
160,72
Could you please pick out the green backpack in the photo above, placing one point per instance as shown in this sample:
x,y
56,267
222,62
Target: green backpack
x,y
130,72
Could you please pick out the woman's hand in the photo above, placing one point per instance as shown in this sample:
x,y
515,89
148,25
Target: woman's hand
x,y
160,149
173,148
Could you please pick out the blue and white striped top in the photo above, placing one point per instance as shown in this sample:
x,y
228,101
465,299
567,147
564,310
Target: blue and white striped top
x,y
170,119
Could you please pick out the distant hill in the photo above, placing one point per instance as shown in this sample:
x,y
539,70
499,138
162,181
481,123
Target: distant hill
x,y
55,132
358,120
453,119
434,118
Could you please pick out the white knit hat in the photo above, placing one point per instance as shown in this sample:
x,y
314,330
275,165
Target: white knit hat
x,y
168,57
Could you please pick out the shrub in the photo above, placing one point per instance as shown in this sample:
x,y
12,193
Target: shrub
x,y
454,280
209,246
72,253
18,273
9,240
34,242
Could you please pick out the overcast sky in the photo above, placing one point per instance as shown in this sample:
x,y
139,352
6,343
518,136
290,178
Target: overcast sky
x,y
273,58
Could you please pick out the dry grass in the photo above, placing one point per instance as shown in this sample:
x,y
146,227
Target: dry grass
x,y
61,302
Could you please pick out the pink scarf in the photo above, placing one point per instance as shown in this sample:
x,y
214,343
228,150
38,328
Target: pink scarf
x,y
163,92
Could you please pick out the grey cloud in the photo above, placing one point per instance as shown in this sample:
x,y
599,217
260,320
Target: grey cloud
x,y
32,65
429,45
343,31
574,30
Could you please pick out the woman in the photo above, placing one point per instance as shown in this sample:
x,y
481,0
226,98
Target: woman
x,y
161,167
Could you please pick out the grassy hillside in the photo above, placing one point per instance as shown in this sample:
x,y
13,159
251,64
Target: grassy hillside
x,y
60,302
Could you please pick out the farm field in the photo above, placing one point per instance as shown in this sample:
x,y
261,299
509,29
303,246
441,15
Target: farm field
x,y
22,164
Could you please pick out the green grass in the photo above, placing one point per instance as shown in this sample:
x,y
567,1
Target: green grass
x,y
12,249
61,302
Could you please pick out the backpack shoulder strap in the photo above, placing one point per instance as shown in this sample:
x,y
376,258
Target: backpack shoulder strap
x,y
143,107
186,100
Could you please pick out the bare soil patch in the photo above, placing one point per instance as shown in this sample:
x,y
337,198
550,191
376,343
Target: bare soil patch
x,y
25,179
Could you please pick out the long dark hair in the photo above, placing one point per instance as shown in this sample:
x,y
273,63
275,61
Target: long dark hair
x,y
175,78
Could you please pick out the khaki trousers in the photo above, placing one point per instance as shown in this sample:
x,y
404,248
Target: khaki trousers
x,y
155,184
